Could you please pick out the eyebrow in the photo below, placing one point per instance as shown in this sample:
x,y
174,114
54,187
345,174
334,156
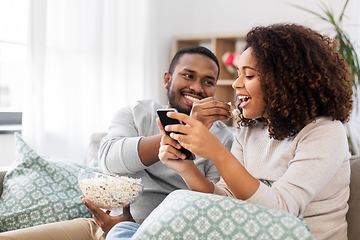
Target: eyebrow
x,y
192,71
247,67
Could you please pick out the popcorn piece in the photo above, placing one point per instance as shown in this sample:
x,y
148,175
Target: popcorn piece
x,y
235,111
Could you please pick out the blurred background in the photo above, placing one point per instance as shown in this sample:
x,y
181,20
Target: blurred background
x,y
66,66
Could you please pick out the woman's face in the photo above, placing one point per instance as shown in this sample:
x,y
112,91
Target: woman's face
x,y
248,86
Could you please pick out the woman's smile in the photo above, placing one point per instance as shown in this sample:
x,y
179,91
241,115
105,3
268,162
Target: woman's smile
x,y
244,100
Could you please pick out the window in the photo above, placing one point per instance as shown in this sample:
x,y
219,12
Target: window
x,y
14,21
13,71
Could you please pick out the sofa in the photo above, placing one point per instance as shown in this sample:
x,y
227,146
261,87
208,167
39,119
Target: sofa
x,y
53,166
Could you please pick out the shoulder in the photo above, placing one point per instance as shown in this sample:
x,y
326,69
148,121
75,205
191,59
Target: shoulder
x,y
138,111
145,105
219,126
324,134
324,126
144,108
221,130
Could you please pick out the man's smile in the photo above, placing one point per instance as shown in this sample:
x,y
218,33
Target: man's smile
x,y
191,98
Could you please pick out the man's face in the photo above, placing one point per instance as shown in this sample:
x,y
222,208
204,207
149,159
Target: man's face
x,y
194,78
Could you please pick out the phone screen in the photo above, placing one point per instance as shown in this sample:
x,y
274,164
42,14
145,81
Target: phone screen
x,y
165,120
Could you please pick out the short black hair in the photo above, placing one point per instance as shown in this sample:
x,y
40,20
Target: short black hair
x,y
193,50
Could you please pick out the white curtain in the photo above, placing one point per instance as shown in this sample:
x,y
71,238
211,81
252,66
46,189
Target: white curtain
x,y
87,59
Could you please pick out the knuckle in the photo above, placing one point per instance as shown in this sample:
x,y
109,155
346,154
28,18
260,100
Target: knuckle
x,y
202,119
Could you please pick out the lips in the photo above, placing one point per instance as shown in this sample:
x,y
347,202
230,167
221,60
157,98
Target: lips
x,y
192,99
244,100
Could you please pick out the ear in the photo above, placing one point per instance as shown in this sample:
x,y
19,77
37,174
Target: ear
x,y
167,77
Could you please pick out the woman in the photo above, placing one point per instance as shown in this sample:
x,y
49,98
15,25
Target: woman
x,y
290,150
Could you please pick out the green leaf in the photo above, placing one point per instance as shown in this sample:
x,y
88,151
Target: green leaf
x,y
310,11
343,11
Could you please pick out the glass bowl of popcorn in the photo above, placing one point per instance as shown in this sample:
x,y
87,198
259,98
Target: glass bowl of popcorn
x,y
109,192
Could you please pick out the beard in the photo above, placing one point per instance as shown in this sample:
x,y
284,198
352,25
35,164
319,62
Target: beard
x,y
174,104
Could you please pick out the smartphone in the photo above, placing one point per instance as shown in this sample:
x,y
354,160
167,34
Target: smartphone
x,y
165,120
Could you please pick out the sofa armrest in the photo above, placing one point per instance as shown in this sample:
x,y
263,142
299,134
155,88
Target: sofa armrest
x,y
92,152
353,215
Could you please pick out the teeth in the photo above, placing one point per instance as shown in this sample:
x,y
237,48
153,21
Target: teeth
x,y
243,98
191,98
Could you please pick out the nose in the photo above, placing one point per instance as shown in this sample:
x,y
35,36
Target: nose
x,y
238,83
197,86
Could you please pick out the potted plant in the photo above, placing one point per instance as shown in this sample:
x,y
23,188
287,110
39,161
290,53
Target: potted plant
x,y
346,48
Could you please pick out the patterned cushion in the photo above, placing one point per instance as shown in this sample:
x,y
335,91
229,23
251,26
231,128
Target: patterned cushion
x,y
186,214
39,190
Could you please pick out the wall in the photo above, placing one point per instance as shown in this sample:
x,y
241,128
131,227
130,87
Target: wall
x,y
168,18
212,16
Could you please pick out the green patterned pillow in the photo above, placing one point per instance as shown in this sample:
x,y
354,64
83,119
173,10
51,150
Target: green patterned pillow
x,y
39,190
186,214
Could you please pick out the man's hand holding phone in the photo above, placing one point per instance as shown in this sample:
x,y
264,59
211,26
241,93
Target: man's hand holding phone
x,y
170,155
165,120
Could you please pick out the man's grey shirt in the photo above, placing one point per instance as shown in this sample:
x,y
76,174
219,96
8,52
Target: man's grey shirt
x,y
119,155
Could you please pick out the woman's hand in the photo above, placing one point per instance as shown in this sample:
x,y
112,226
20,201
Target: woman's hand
x,y
172,146
174,159
103,219
170,155
195,137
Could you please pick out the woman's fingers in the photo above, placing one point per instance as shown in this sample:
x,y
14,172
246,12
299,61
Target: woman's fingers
x,y
182,117
167,152
167,140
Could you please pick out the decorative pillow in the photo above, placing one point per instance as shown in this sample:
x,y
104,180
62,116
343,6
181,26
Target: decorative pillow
x,y
39,190
186,214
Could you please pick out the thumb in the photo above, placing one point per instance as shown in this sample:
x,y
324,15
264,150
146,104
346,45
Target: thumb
x,y
126,209
126,215
160,126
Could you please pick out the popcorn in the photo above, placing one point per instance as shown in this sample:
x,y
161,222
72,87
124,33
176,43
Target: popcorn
x,y
109,192
235,111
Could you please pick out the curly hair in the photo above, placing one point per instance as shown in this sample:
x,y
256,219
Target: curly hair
x,y
302,77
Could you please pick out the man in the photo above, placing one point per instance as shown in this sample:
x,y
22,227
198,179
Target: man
x,y
132,144
131,147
